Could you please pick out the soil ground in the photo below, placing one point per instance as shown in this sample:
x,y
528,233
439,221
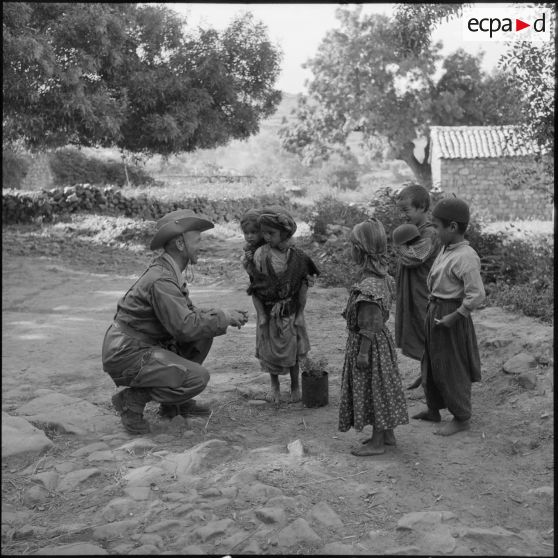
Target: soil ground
x,y
59,296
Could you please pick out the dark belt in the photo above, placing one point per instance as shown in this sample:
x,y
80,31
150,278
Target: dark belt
x,y
131,332
432,298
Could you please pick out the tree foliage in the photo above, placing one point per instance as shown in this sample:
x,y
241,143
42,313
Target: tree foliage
x,y
132,76
363,82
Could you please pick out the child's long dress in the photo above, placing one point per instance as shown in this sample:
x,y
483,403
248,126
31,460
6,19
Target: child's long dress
x,y
373,394
280,343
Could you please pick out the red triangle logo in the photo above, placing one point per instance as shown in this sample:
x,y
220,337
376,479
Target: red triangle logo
x,y
519,25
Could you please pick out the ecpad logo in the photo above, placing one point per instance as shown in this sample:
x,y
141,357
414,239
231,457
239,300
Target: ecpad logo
x,y
503,24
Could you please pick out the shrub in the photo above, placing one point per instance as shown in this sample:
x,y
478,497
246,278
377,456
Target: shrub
x,y
15,167
344,177
71,167
331,211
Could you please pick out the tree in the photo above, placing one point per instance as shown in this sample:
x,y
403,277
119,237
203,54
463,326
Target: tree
x,y
528,69
363,82
131,76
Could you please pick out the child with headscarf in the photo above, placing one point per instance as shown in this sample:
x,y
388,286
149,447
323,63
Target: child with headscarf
x,y
371,390
281,285
250,225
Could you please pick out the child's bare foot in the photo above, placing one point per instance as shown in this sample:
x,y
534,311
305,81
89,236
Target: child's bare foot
x,y
389,437
273,396
430,415
453,427
296,396
373,446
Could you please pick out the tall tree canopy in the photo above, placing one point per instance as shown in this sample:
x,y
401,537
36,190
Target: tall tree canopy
x,y
132,76
363,80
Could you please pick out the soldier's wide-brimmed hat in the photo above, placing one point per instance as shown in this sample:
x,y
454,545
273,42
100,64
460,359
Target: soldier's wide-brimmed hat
x,y
177,222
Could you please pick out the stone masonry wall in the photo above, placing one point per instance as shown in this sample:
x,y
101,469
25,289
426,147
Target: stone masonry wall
x,y
57,204
487,184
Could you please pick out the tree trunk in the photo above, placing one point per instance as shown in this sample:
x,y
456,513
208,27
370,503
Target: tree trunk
x,y
422,171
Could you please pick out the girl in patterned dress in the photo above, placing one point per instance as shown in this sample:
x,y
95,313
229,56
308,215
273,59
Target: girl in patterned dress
x,y
371,390
282,273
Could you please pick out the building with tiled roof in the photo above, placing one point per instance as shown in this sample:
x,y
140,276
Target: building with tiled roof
x,y
481,164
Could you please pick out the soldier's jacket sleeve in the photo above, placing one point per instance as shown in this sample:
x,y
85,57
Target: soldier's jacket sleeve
x,y
182,320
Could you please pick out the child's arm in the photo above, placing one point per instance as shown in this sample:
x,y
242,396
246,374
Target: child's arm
x,y
260,310
370,321
473,290
416,254
302,298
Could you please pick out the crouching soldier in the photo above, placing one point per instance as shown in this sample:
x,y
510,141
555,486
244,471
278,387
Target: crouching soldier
x,y
158,340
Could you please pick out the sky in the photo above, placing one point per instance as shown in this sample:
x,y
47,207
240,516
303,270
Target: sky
x,y
299,28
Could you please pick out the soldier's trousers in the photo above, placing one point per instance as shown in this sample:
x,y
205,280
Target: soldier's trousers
x,y
172,377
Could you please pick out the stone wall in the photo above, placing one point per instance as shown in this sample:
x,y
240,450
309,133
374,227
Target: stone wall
x,y
57,204
489,185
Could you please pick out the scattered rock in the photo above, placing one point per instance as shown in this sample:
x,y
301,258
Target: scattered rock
x,y
21,440
322,513
107,455
193,549
68,414
118,509
215,504
73,549
164,526
145,476
236,538
75,478
48,479
212,529
296,449
116,530
252,548
527,380
337,548
271,515
35,494
496,342
201,456
519,363
285,502
297,532
86,450
259,492
419,520
439,541
494,539
542,491
209,493
257,403
138,492
122,549
182,509
151,539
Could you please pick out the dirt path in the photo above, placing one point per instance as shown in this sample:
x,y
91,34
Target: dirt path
x,y
249,494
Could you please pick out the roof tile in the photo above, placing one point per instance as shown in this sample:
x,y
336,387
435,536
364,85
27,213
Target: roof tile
x,y
476,142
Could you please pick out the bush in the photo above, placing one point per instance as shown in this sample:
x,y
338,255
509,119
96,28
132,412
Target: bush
x,y
344,177
535,298
331,211
15,167
70,167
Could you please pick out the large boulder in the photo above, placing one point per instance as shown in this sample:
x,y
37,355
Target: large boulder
x,y
21,441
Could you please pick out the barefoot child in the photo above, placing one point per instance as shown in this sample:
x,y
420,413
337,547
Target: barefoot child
x,y
281,286
249,223
371,391
451,358
413,264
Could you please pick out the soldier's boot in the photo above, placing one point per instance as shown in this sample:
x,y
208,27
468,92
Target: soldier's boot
x,y
186,409
130,403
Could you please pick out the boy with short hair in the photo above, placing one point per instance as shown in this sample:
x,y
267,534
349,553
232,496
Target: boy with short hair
x,y
451,360
413,265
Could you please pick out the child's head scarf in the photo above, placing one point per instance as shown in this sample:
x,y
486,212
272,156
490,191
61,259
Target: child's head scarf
x,y
251,216
278,218
370,239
